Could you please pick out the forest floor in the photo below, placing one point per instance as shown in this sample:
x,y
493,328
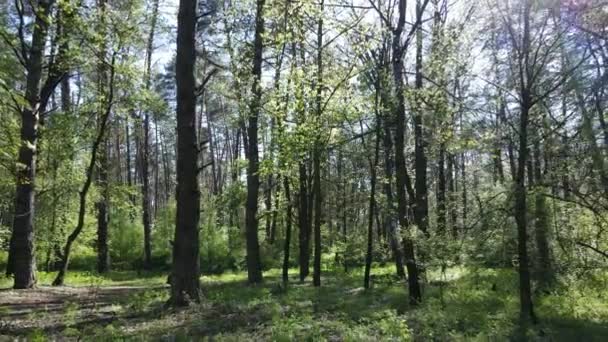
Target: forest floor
x,y
461,304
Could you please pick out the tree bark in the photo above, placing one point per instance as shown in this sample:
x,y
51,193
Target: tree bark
x,y
254,266
452,206
101,177
185,286
145,156
392,225
415,295
525,292
288,221
372,202
102,207
525,289
421,208
441,191
317,156
22,254
541,222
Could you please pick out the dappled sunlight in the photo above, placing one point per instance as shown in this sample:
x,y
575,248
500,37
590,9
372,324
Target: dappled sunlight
x,y
476,303
304,170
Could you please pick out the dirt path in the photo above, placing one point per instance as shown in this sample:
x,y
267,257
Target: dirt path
x,y
53,309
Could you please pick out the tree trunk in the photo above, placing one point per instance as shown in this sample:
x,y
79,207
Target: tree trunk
x,y
157,165
421,208
102,207
145,151
525,289
499,175
392,226
254,267
317,156
288,220
415,295
541,226
128,154
275,212
101,178
441,191
22,253
303,223
372,203
185,272
452,196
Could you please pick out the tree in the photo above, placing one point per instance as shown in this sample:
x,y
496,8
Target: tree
x,y
254,264
145,151
403,181
317,155
22,257
185,270
106,105
534,48
101,178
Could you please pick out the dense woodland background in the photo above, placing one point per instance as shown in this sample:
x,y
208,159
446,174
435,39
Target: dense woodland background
x,y
414,141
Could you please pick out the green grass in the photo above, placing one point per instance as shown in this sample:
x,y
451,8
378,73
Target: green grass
x,y
114,278
464,304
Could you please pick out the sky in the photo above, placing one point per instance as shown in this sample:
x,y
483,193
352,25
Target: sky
x,y
165,45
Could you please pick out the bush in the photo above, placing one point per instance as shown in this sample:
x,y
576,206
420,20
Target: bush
x,y
126,239
3,259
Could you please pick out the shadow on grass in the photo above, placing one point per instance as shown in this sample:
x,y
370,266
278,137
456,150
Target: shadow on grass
x,y
479,304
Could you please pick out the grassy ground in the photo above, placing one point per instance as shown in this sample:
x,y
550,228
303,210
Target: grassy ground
x,y
462,304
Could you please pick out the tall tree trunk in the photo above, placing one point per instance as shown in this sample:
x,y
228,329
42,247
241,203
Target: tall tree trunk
x,y
464,193
452,196
525,292
415,295
421,208
145,151
541,222
303,193
185,286
233,219
441,191
101,177
254,266
157,166
103,215
525,289
499,175
288,221
317,155
22,253
275,212
372,201
393,228
128,154
303,223
271,216
102,207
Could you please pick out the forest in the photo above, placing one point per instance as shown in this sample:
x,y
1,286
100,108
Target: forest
x,y
304,170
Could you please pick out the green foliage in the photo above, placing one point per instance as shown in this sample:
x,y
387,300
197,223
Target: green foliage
x,y
162,235
215,253
126,242
221,247
37,335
